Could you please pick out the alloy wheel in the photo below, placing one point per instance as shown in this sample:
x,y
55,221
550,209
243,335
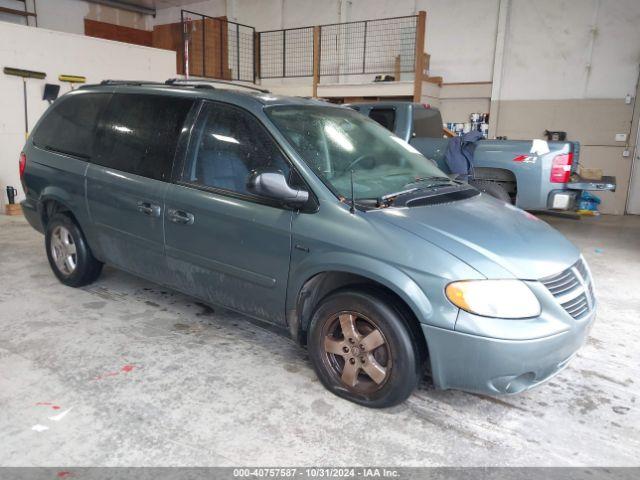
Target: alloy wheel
x,y
356,352
63,250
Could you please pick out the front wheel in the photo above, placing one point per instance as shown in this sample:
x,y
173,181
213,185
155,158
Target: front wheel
x,y
362,349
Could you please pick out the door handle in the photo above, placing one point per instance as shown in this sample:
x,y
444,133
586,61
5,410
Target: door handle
x,y
180,216
149,209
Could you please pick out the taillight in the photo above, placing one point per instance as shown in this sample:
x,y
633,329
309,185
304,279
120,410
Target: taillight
x,y
22,164
561,168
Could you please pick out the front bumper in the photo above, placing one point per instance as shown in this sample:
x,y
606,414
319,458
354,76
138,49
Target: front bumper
x,y
500,366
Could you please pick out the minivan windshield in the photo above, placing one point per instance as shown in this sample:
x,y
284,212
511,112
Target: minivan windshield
x,y
335,141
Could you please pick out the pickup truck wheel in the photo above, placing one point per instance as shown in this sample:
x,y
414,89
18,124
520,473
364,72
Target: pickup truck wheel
x,y
68,253
362,350
492,188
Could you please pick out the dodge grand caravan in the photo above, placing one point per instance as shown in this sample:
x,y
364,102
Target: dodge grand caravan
x,y
316,219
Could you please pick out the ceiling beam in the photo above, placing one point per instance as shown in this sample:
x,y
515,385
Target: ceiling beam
x,y
16,12
124,5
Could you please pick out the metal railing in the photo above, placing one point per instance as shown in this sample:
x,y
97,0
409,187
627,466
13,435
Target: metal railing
x,y
286,53
217,48
384,46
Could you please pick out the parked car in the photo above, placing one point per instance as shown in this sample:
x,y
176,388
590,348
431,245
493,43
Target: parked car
x,y
531,174
313,218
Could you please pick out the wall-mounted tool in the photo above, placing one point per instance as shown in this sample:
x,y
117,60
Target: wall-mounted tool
x,y
24,74
71,79
51,91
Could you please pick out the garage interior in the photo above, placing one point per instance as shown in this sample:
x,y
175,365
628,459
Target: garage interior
x,y
125,372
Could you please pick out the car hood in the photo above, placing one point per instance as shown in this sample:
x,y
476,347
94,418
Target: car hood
x,y
495,238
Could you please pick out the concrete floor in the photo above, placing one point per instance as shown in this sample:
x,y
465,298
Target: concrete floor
x,y
126,373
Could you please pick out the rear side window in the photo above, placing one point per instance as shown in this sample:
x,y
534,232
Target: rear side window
x,y
140,133
69,128
385,117
427,122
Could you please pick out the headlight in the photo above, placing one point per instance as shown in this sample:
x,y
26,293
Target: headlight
x,y
494,298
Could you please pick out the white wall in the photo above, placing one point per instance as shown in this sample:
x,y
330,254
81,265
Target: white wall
x,y
549,48
58,53
276,14
68,15
212,8
461,38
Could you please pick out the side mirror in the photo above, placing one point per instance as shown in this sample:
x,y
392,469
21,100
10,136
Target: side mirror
x,y
274,185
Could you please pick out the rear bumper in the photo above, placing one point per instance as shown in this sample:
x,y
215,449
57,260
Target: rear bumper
x,y
496,366
566,198
31,213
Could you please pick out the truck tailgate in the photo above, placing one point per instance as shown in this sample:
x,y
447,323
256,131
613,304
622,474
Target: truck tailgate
x,y
579,183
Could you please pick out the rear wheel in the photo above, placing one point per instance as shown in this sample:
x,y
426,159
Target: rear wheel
x,y
492,188
68,253
362,349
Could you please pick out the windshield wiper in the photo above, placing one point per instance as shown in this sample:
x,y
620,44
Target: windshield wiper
x,y
437,179
390,197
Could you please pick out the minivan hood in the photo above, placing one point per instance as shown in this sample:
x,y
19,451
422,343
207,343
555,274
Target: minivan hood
x,y
495,238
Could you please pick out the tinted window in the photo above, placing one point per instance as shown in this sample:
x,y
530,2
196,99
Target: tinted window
x,y
427,122
384,116
228,144
70,126
140,133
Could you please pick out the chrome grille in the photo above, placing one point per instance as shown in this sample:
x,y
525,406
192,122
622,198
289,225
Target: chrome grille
x,y
564,282
577,306
573,288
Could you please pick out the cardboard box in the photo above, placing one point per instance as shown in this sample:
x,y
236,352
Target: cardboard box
x,y
590,173
13,209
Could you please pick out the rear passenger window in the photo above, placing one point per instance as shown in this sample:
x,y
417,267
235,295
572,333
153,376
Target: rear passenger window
x,y
228,144
140,133
384,116
427,123
70,126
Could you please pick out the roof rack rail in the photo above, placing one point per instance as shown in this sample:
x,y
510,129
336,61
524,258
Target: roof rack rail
x,y
180,81
130,82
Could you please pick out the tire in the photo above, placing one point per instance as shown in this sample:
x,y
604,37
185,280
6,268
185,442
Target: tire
x,y
379,372
69,254
492,188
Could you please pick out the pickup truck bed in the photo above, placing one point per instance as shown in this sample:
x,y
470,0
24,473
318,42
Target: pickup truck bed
x,y
537,175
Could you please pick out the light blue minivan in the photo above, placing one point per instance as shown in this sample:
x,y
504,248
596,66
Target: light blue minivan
x,y
315,219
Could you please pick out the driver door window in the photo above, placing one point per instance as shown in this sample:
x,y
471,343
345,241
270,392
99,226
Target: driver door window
x,y
227,146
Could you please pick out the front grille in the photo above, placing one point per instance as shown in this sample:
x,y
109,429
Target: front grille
x,y
573,288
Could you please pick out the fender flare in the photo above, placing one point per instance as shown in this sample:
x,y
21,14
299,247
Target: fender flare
x,y
352,263
79,212
57,194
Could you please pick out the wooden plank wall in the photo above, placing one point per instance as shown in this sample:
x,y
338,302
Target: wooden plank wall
x,y
109,31
216,59
169,37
